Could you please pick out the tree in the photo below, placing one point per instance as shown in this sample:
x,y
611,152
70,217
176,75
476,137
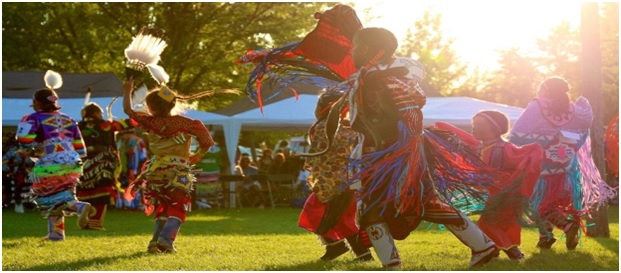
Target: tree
x,y
514,82
426,44
610,57
205,37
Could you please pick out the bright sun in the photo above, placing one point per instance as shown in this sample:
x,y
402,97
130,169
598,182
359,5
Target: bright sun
x,y
478,27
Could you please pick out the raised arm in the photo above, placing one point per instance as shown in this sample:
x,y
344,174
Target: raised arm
x,y
128,87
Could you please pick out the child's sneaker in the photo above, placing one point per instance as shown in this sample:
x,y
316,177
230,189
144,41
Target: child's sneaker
x,y
165,248
484,256
152,247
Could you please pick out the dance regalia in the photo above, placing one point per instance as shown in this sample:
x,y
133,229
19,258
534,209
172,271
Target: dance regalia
x,y
166,181
15,171
330,210
407,172
500,220
101,166
569,184
57,138
133,153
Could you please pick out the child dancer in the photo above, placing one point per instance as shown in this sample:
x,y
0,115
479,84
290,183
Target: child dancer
x,y
166,182
330,210
500,220
56,139
101,166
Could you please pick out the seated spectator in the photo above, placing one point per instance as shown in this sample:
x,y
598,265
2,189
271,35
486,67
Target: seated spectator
x,y
277,166
250,191
265,161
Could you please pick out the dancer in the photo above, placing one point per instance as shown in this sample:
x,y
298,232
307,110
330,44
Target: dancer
x,y
330,209
56,140
166,182
102,167
500,219
569,183
394,159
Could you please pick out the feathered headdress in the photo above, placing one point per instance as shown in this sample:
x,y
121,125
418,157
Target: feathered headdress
x,y
145,49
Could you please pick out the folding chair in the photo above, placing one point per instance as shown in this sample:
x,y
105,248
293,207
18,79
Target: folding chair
x,y
282,188
229,189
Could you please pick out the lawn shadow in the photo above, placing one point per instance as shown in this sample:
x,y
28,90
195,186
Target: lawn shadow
x,y
81,264
554,258
320,265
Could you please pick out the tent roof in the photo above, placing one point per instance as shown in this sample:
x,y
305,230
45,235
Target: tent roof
x,y
22,84
13,109
291,114
245,104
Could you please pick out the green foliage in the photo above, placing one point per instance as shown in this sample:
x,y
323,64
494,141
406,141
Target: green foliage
x,y
263,240
425,43
205,38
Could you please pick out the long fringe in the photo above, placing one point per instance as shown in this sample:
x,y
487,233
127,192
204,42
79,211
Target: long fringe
x,y
279,68
595,191
401,174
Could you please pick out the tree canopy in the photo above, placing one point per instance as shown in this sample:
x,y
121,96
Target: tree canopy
x,y
205,38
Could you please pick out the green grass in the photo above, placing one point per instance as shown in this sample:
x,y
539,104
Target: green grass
x,y
262,240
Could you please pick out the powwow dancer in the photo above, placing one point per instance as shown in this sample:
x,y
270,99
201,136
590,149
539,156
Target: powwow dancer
x,y
500,219
133,153
569,184
101,166
167,180
56,140
314,61
405,173
330,210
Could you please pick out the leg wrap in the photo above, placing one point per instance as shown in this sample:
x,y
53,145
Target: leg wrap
x,y
56,228
169,231
384,245
470,234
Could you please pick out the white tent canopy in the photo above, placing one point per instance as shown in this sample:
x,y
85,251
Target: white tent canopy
x,y
299,114
286,115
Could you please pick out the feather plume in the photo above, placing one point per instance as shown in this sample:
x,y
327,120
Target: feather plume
x,y
109,108
146,47
158,73
138,96
53,80
87,97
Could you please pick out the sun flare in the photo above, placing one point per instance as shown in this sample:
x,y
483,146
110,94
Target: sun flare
x,y
479,28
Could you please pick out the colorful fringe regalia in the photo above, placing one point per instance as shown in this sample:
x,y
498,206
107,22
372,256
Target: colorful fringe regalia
x,y
166,181
330,210
101,167
322,59
500,220
15,171
569,184
612,146
133,154
408,173
58,170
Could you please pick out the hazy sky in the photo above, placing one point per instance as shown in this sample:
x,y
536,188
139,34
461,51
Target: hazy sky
x,y
479,27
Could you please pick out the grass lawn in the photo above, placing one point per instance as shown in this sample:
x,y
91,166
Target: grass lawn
x,y
263,240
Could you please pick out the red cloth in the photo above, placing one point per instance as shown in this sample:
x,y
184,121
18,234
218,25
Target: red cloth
x,y
522,165
313,212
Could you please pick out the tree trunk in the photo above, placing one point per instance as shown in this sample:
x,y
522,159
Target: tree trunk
x,y
592,84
